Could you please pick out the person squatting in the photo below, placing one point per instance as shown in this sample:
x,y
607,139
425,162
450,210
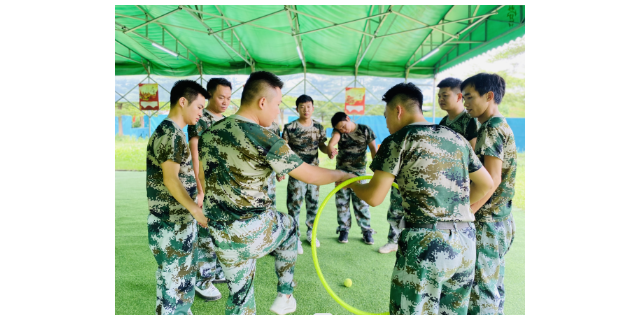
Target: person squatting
x,y
212,207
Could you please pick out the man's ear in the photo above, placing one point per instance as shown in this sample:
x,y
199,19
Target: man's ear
x,y
182,102
490,96
459,97
262,102
399,110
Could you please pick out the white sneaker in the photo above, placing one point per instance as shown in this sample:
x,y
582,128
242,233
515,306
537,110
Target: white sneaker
x,y
300,251
283,305
309,240
389,247
211,294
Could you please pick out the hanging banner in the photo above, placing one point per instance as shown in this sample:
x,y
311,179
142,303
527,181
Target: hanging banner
x,y
354,101
149,96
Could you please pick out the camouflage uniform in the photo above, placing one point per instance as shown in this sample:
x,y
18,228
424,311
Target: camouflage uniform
x,y
304,141
464,124
494,223
352,157
434,265
172,228
394,216
209,269
237,157
272,178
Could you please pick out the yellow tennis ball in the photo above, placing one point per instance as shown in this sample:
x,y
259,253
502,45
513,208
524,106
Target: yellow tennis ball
x,y
348,283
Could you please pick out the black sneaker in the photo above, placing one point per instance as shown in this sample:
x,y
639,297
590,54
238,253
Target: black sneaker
x,y
367,236
344,236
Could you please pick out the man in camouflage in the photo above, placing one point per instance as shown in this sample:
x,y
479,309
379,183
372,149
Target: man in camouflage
x,y
237,155
496,149
304,136
171,193
209,269
458,119
352,140
433,166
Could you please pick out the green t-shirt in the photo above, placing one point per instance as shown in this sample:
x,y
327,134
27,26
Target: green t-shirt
x,y
432,165
496,139
168,142
238,156
205,122
352,149
463,124
305,141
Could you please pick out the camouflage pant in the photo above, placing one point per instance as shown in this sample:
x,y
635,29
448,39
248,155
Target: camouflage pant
x,y
297,192
207,264
433,271
240,243
172,246
360,208
271,191
394,215
494,240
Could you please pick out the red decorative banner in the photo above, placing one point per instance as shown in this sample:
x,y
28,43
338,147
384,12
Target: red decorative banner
x,y
354,101
149,96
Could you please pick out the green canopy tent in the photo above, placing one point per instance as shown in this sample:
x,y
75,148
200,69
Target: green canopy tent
x,y
402,41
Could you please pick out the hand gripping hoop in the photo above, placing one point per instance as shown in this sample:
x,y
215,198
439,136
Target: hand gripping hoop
x,y
315,255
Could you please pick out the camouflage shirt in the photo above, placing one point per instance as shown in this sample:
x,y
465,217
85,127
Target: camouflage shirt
x,y
352,148
238,156
205,122
169,143
463,124
275,128
496,139
432,165
305,141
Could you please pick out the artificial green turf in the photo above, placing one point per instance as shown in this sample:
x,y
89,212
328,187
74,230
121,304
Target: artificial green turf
x,y
369,270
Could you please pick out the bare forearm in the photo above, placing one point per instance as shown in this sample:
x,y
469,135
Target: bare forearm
x,y
180,194
323,148
316,175
478,199
366,193
196,171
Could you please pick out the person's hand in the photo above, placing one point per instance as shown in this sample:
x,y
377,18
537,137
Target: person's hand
x,y
200,218
280,178
200,198
332,152
346,176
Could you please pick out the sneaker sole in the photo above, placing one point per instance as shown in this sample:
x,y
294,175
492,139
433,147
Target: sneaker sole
x,y
207,299
284,312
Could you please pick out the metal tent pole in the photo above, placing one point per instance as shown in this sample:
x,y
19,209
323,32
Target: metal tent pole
x,y
433,98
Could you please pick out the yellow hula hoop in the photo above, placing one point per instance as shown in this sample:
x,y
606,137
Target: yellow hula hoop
x,y
315,254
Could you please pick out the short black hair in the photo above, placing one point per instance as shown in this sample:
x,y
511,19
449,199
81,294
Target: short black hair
x,y
302,99
188,89
339,116
406,92
485,82
256,83
213,84
452,83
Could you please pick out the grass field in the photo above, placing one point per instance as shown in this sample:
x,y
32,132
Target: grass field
x,y
369,270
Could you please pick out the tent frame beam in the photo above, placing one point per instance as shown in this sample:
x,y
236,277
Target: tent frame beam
x,y
343,23
234,34
481,18
230,19
210,32
154,20
331,22
230,27
384,18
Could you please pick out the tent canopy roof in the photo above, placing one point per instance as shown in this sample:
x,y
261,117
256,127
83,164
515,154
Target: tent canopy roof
x,y
385,41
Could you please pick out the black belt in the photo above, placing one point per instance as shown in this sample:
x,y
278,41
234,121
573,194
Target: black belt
x,y
439,225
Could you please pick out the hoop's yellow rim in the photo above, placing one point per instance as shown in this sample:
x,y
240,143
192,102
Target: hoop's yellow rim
x,y
315,255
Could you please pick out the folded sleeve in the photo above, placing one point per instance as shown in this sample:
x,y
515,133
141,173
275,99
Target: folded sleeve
x,y
387,158
282,159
